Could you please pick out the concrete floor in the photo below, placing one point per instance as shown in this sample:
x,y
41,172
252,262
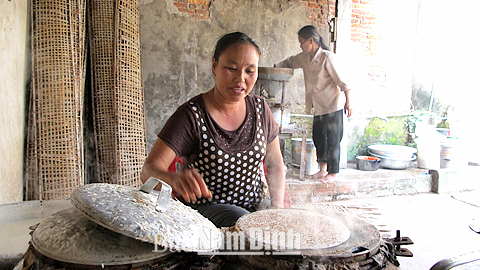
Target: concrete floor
x,y
438,224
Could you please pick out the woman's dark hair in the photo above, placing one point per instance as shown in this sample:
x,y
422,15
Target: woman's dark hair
x,y
310,31
233,38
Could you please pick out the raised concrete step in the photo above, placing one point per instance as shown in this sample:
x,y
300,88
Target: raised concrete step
x,y
352,183
455,179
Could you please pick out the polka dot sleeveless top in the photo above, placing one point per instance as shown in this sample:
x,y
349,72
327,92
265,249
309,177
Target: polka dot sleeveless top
x,y
232,177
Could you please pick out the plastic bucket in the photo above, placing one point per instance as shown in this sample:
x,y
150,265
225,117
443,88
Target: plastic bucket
x,y
447,152
311,165
443,131
428,154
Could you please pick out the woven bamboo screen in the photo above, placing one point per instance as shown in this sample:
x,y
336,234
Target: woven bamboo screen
x,y
55,162
101,35
119,116
55,154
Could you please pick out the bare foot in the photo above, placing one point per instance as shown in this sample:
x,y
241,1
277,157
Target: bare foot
x,y
318,175
330,177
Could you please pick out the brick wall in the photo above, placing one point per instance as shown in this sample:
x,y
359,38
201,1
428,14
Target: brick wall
x,y
319,11
363,24
366,33
197,9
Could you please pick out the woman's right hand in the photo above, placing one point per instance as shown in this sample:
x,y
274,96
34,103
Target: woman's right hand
x,y
190,185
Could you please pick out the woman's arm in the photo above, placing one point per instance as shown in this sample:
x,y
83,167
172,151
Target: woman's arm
x,y
189,183
275,173
294,62
331,68
347,108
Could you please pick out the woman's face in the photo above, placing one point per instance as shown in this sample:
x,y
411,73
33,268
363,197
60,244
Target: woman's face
x,y
236,71
305,44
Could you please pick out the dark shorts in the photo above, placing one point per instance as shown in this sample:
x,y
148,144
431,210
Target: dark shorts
x,y
327,135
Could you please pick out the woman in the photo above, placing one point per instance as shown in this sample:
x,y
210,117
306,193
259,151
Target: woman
x,y
224,136
323,88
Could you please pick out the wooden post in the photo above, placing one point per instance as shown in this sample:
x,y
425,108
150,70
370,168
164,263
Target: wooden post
x,y
302,155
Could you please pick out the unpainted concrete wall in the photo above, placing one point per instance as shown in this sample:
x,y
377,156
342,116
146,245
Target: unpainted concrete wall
x,y
14,73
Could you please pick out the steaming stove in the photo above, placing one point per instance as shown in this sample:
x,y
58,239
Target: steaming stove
x,y
372,254
80,238
87,245
120,227
364,249
69,240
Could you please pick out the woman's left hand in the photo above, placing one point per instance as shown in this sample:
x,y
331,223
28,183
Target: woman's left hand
x,y
275,174
347,109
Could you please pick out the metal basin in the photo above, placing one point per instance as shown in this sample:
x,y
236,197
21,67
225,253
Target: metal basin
x,y
274,73
397,152
392,163
272,79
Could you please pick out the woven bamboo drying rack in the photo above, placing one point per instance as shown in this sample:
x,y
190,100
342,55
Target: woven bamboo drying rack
x,y
119,116
55,147
55,164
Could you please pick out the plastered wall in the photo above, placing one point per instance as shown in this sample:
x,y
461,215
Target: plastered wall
x,y
14,73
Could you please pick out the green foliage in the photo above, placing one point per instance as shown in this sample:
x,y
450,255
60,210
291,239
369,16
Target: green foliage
x,y
305,123
414,118
380,131
443,124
